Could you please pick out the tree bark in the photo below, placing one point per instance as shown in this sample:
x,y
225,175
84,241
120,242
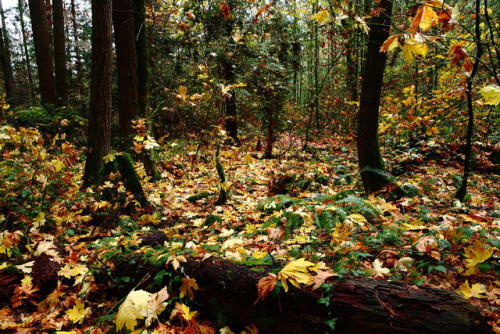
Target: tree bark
x,y
59,51
371,165
229,291
8,76
29,74
228,294
43,54
462,190
126,64
99,125
79,70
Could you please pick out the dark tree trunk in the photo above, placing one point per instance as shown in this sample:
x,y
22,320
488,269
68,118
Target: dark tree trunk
x,y
29,73
230,101
59,51
143,74
8,76
462,191
126,63
99,127
43,51
79,70
370,160
268,154
143,71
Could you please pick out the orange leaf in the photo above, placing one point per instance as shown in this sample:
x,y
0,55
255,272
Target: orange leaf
x,y
388,43
266,285
224,8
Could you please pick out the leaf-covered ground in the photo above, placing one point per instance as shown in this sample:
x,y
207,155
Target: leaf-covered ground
x,y
301,213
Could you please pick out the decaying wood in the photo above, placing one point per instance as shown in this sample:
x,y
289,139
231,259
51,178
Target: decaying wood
x,y
228,294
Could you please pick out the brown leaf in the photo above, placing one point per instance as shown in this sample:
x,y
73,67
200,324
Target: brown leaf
x,y
266,285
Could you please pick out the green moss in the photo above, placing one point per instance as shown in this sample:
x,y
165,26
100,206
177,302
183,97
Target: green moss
x,y
131,179
197,197
212,219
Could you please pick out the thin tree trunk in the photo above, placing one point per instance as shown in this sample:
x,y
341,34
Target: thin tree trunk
x,y
371,164
8,76
99,126
31,86
43,51
462,191
79,70
59,51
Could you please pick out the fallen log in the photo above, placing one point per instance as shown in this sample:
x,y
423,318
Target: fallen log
x,y
228,295
360,305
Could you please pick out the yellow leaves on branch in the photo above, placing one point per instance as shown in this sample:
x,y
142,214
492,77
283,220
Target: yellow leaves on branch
x,y
425,19
491,94
413,46
138,305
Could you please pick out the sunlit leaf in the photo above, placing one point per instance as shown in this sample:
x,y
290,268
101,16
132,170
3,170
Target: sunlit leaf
x,y
491,94
321,16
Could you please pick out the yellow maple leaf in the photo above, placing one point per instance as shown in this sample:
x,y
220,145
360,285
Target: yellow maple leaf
x,y
249,159
58,164
186,312
295,272
109,158
134,307
176,261
426,17
476,254
491,94
390,43
321,16
78,313
476,291
413,48
188,284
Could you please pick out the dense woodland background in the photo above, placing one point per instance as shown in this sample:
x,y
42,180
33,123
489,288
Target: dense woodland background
x,y
315,142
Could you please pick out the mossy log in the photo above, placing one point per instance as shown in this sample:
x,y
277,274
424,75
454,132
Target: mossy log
x,y
228,294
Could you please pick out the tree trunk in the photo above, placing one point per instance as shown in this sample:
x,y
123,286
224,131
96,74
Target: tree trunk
x,y
268,154
59,51
126,64
143,70
8,76
43,54
79,70
143,74
462,191
370,160
29,74
228,294
99,127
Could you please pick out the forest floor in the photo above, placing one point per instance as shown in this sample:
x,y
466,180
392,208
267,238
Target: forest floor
x,y
59,246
